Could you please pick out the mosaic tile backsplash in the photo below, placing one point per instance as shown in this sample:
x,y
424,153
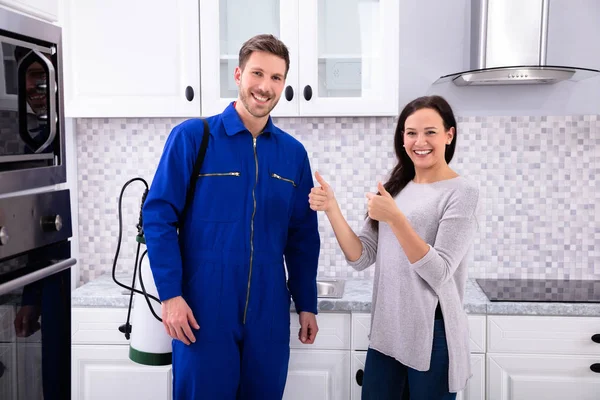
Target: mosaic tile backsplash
x,y
539,181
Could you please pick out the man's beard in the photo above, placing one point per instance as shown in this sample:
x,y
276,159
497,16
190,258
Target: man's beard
x,y
246,97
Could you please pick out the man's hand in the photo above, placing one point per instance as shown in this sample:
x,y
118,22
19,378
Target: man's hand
x,y
308,327
178,319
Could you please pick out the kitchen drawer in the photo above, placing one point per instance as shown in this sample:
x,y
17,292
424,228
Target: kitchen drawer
x,y
101,326
334,332
543,334
361,325
477,333
98,325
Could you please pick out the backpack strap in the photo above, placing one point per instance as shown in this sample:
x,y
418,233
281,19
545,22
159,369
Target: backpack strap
x,y
196,170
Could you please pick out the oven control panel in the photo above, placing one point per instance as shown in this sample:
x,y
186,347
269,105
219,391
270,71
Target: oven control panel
x,y
34,220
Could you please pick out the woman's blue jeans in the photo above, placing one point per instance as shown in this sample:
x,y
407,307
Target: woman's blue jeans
x,y
386,378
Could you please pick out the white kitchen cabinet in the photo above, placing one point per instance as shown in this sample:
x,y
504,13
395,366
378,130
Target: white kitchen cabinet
x,y
345,52
334,332
131,59
542,357
100,355
224,26
548,377
44,9
103,372
356,375
318,375
543,335
320,371
475,389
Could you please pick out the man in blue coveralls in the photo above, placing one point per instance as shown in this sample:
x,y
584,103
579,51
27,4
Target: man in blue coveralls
x,y
222,280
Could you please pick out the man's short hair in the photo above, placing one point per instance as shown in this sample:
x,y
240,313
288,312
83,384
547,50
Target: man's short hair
x,y
268,44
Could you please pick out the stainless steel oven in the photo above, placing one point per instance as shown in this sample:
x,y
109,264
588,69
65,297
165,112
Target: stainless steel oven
x,y
32,153
35,296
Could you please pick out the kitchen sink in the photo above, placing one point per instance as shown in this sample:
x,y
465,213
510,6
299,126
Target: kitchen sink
x,y
330,288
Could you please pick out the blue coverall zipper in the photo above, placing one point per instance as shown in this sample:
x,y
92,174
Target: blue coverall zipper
x,y
281,178
252,230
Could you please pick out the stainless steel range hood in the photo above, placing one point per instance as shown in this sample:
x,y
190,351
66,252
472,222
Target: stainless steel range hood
x,y
509,39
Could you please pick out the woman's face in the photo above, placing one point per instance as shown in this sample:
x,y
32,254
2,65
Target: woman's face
x,y
425,138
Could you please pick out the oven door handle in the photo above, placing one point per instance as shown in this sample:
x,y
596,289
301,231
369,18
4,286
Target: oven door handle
x,y
51,103
52,111
36,276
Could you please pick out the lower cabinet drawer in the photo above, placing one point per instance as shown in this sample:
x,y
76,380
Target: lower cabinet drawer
x,y
334,332
543,334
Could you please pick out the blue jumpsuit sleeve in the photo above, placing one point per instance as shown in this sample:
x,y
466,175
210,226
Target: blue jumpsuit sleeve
x,y
161,211
303,245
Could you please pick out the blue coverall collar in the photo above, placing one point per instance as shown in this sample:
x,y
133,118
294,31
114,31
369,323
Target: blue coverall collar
x,y
234,125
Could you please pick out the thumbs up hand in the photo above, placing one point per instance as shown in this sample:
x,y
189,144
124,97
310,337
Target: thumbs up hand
x,y
321,198
382,207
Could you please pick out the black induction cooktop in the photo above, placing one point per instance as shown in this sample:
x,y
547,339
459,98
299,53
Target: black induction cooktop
x,y
541,290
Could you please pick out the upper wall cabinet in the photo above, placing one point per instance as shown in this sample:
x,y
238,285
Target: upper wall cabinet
x,y
344,54
45,9
135,58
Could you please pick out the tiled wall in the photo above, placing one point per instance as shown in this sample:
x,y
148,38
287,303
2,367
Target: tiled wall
x,y
539,180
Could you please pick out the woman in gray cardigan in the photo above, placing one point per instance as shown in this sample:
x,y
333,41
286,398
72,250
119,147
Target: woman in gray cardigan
x,y
419,233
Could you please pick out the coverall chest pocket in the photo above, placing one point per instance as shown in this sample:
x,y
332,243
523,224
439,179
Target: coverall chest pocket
x,y
282,185
220,195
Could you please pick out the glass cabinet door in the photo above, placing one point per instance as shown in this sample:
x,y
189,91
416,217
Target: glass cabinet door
x,y
349,57
225,25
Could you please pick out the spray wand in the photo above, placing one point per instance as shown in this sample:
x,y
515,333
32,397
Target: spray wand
x,y
140,239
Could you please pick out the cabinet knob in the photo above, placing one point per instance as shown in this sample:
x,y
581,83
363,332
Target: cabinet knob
x,y
307,92
595,367
52,223
359,377
289,93
596,338
189,93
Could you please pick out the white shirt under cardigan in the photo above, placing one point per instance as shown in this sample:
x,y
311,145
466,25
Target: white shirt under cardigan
x,y
405,295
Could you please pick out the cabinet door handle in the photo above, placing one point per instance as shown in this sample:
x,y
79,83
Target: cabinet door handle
x,y
596,338
359,377
189,93
595,367
289,93
307,92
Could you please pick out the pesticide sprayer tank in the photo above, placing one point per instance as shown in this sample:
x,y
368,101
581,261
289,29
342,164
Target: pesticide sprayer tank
x,y
150,344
